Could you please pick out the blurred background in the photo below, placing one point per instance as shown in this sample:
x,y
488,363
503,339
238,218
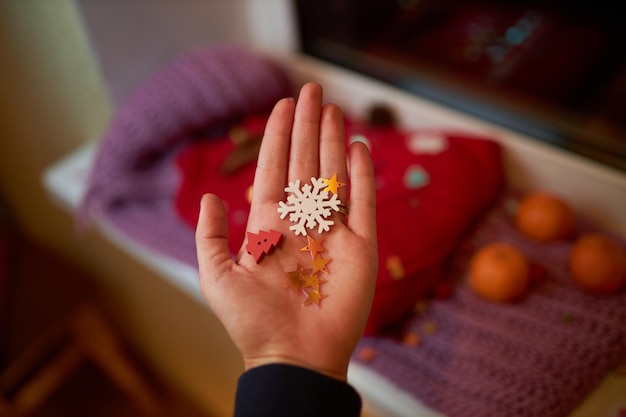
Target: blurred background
x,y
65,66
555,70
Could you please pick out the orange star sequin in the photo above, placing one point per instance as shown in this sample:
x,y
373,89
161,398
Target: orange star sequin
x,y
429,327
314,246
319,264
332,184
313,297
367,354
395,268
313,281
295,279
411,339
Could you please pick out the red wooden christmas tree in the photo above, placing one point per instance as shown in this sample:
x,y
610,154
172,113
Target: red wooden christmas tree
x,y
261,243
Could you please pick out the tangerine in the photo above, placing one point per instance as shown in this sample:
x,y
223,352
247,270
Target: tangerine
x,y
499,272
545,217
598,264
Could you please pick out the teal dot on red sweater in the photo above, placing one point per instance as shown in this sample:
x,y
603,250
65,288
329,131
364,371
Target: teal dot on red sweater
x,y
415,177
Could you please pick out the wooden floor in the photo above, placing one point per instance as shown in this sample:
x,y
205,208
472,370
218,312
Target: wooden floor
x,y
39,289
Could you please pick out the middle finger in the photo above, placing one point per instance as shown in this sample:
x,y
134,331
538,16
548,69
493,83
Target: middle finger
x,y
304,150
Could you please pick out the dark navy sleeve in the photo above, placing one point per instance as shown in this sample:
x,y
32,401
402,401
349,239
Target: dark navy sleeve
x,y
284,390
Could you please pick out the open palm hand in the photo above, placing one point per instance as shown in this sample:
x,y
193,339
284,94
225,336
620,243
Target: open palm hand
x,y
270,320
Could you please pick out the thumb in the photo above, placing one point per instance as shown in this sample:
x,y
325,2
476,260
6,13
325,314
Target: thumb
x,y
214,257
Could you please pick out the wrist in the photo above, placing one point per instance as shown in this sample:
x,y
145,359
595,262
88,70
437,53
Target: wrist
x,y
334,371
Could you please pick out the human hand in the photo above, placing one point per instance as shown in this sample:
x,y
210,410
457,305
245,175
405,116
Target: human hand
x,y
266,319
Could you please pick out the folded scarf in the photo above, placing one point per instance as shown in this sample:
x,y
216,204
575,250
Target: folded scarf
x,y
197,95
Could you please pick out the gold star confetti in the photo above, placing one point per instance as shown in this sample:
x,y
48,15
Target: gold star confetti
x,y
314,246
319,264
332,184
312,281
295,278
420,306
411,339
429,327
313,297
395,268
367,354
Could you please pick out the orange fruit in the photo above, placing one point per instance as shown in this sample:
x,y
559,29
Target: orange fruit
x,y
545,217
499,272
598,264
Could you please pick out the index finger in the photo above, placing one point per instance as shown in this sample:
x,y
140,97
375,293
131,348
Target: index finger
x,y
271,168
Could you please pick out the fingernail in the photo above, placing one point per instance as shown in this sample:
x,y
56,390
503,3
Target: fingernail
x,y
362,139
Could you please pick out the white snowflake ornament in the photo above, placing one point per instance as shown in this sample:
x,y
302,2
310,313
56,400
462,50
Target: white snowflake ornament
x,y
309,206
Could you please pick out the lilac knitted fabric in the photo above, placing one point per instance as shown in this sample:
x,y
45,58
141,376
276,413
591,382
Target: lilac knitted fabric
x,y
198,95
539,357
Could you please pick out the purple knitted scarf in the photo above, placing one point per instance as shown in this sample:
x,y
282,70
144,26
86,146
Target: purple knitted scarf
x,y
198,95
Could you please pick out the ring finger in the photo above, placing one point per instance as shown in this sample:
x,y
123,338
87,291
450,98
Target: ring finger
x,y
333,151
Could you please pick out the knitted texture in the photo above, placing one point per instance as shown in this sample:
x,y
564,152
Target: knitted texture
x,y
197,95
538,357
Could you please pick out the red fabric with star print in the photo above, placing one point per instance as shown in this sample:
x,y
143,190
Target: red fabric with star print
x,y
430,186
